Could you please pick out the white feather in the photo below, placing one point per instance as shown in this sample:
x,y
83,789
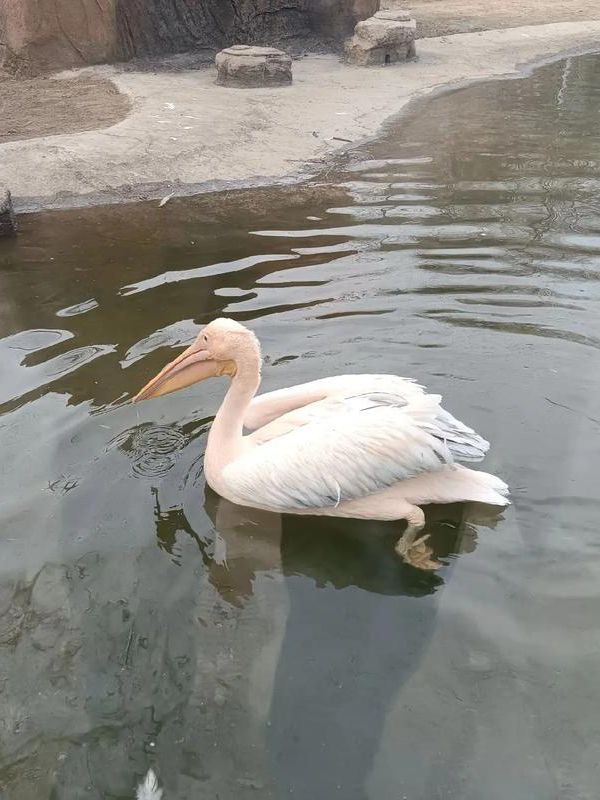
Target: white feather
x,y
149,789
220,550
339,439
340,448
271,406
165,200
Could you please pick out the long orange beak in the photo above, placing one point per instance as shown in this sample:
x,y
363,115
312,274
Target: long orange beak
x,y
192,366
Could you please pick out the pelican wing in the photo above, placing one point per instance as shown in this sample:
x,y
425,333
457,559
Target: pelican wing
x,y
272,405
345,447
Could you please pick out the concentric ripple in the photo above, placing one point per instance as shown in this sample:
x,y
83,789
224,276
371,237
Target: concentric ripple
x,y
152,449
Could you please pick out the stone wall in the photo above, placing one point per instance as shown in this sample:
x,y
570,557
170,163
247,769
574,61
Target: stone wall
x,y
149,27
336,19
43,35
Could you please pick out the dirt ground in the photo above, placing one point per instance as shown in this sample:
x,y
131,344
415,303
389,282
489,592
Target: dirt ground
x,y
444,17
43,106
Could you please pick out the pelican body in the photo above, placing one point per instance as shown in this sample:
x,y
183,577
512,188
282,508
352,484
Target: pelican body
x,y
363,446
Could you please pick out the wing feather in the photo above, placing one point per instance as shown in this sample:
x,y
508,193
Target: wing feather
x,y
341,448
266,408
348,393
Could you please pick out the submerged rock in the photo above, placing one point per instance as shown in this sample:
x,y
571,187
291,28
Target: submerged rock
x,y
385,38
249,66
8,220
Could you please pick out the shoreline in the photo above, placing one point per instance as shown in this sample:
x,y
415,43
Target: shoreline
x,y
187,136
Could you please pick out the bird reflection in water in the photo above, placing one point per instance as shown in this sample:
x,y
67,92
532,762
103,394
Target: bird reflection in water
x,y
353,633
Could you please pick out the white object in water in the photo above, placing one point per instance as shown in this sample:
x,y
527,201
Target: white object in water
x,y
361,446
149,788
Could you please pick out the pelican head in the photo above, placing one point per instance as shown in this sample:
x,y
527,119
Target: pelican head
x,y
219,349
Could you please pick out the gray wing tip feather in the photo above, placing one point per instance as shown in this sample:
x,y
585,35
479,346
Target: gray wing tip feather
x,y
463,442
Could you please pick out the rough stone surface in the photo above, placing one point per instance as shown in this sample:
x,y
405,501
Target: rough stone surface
x,y
385,38
335,19
42,35
244,65
158,27
8,221
150,27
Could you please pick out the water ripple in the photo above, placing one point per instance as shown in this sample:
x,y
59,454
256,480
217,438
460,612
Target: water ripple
x,y
152,449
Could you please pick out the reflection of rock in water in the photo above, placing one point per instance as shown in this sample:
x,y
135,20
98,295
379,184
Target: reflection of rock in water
x,y
8,220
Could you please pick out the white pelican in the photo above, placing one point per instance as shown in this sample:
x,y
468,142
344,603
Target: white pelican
x,y
362,446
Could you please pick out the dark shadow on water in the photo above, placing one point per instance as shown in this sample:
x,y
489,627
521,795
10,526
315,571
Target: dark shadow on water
x,y
333,552
359,620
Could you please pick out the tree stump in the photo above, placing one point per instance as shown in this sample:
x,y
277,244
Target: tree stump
x,y
248,66
8,221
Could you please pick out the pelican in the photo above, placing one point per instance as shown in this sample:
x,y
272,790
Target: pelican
x,y
374,447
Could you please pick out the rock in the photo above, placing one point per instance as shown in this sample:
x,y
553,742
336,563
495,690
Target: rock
x,y
151,27
147,28
245,65
335,19
41,36
384,38
8,221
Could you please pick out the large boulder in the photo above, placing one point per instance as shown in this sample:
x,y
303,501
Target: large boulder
x,y
8,221
384,38
42,35
245,65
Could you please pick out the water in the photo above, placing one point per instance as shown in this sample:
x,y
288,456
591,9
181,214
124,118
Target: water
x,y
145,622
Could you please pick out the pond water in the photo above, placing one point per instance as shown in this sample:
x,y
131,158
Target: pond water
x,y
144,622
